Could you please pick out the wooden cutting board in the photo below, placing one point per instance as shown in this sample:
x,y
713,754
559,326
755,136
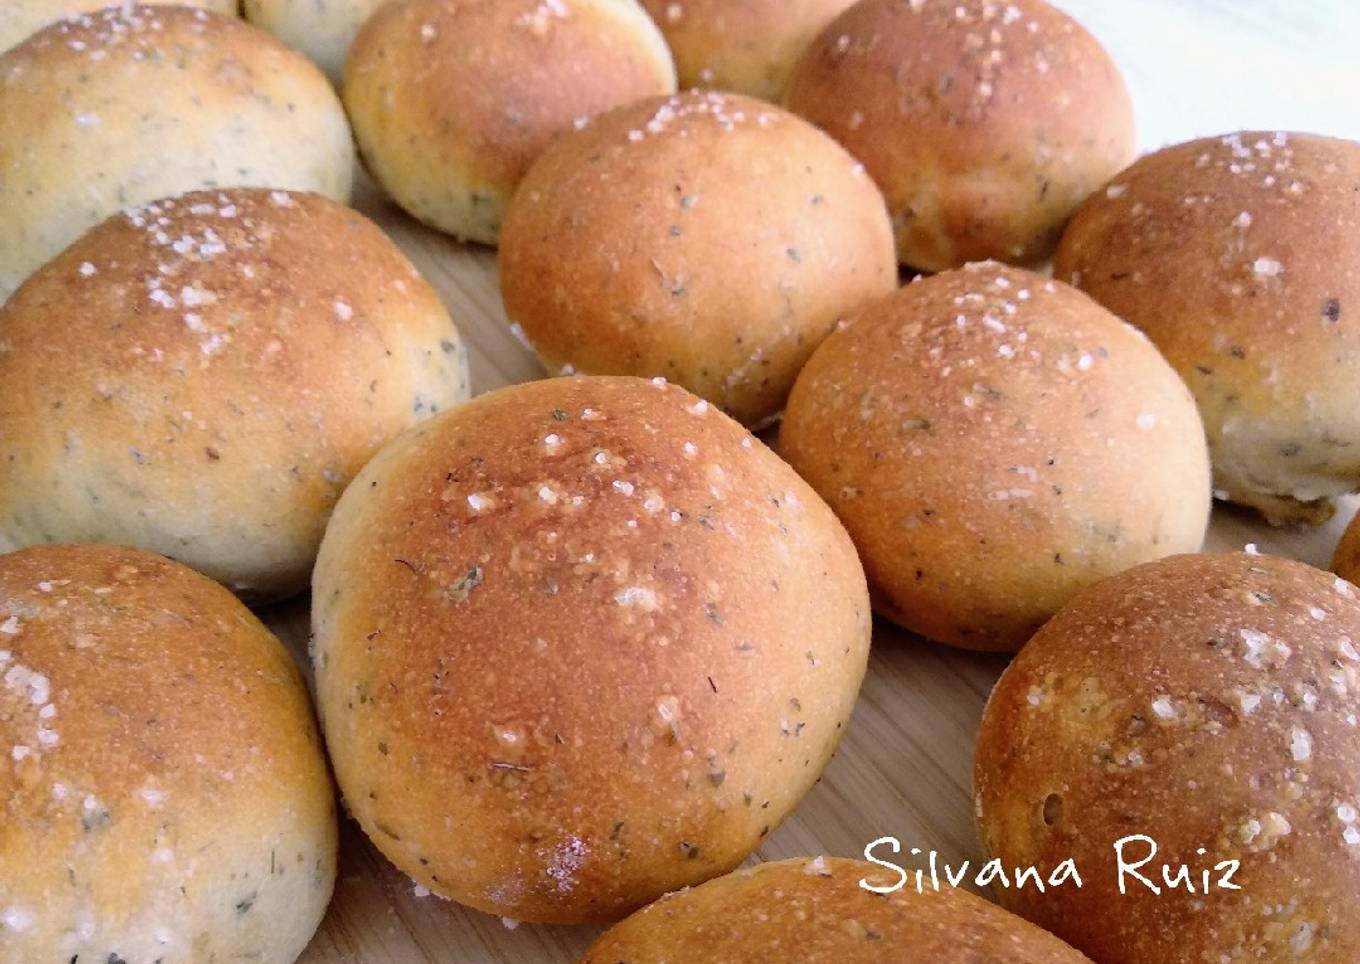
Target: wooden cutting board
x,y
904,769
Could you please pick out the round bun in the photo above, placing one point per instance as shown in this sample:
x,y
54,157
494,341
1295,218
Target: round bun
x,y
165,797
579,643
747,47
985,123
708,238
225,363
978,434
452,99
1240,257
136,103
1207,702
21,18
321,29
816,910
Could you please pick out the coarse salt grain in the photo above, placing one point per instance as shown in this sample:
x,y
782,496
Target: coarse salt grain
x,y
638,596
1266,267
1300,743
817,867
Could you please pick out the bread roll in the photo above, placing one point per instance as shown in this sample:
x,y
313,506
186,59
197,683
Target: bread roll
x,y
321,29
163,791
747,47
224,363
453,99
1206,702
20,18
985,123
136,103
814,910
1240,257
581,642
996,442
708,238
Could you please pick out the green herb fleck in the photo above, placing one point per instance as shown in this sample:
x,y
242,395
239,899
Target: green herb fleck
x,y
463,588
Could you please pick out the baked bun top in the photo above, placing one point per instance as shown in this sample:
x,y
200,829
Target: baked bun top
x,y
708,238
1240,257
815,909
227,361
975,430
21,18
596,625
985,123
116,108
452,100
1210,702
161,780
749,47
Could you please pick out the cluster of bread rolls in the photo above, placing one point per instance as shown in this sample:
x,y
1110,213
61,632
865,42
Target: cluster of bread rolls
x,y
582,643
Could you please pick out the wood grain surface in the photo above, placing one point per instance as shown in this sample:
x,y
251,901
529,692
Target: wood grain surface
x,y
1195,67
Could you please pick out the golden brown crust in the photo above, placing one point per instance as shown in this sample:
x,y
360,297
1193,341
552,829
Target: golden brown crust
x,y
136,103
322,29
749,47
1207,702
1240,257
453,99
986,124
228,361
581,642
813,910
1346,558
21,18
977,433
162,788
708,238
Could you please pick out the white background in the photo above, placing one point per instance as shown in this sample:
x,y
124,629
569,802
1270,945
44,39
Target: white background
x,y
1198,67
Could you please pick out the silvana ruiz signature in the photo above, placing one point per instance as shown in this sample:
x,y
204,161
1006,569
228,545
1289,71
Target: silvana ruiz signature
x,y
1131,860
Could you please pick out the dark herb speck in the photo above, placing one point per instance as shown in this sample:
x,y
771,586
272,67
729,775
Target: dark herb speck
x,y
462,589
